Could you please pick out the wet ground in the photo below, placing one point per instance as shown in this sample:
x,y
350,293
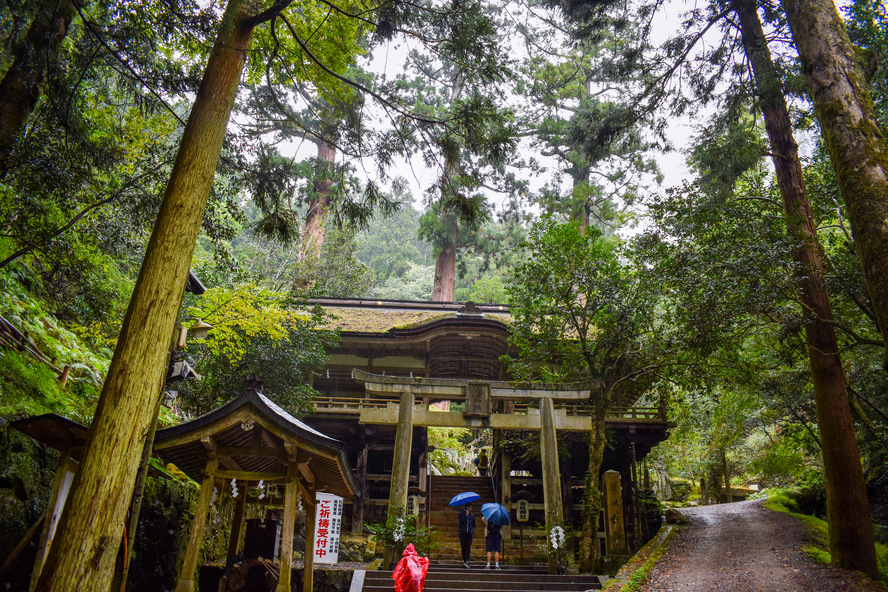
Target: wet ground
x,y
744,547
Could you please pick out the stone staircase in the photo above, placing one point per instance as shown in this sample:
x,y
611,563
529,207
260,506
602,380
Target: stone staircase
x,y
445,519
446,522
454,578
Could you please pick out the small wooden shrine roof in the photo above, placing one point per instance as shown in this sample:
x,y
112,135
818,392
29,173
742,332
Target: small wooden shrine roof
x,y
57,431
253,439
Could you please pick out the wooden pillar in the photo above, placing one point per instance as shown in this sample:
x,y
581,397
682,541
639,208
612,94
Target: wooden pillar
x,y
423,467
400,465
614,525
628,498
189,566
361,481
60,486
310,519
291,498
564,469
237,523
551,473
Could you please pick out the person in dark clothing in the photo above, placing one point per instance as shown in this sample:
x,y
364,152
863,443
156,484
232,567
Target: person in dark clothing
x,y
466,532
494,543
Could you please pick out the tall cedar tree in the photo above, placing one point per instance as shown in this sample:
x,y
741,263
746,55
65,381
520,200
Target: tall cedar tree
x,y
852,542
23,82
83,553
851,132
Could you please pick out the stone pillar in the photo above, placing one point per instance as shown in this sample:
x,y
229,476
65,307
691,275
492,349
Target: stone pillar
x,y
189,565
401,460
291,497
614,526
551,473
400,464
506,488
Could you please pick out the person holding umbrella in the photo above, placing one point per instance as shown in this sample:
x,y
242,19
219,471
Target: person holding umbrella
x,y
496,516
493,543
466,532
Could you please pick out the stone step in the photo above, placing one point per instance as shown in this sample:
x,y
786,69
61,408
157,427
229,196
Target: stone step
x,y
509,580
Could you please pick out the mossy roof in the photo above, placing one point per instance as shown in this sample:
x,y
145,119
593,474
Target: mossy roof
x,y
382,320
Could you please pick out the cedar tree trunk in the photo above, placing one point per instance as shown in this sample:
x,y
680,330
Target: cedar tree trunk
x,y
589,550
316,219
21,86
445,264
83,554
850,523
856,144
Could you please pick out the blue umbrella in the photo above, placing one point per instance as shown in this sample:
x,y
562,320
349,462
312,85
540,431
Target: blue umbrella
x,y
496,513
466,497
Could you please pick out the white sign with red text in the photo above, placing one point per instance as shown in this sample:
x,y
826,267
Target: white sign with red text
x,y
328,521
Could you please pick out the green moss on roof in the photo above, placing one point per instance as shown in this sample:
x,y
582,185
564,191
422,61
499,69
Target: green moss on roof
x,y
363,320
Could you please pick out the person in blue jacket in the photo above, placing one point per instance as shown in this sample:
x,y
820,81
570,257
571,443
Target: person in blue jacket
x,y
466,532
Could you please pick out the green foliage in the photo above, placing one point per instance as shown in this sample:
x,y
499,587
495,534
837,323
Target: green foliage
x,y
415,284
28,387
400,530
449,444
391,247
491,290
867,22
817,529
579,311
256,331
335,271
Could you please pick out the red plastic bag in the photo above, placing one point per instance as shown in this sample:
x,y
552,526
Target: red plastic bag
x,y
410,573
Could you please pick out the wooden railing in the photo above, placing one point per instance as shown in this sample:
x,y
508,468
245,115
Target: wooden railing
x,y
354,405
629,413
11,337
350,404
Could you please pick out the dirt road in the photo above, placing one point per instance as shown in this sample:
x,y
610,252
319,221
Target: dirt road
x,y
744,547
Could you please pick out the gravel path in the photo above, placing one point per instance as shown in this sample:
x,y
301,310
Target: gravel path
x,y
744,547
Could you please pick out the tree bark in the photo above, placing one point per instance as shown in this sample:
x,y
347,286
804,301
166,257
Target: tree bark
x,y
855,142
316,218
23,83
850,524
589,551
727,475
83,553
445,264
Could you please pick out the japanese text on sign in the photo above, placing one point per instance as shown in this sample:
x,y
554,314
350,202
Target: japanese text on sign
x,y
328,520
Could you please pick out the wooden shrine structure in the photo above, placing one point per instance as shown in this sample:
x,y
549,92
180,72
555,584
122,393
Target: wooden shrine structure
x,y
397,362
247,440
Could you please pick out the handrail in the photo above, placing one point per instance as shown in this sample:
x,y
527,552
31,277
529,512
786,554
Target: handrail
x,y
352,404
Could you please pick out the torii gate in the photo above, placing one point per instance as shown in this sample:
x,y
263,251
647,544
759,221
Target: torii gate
x,y
478,395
